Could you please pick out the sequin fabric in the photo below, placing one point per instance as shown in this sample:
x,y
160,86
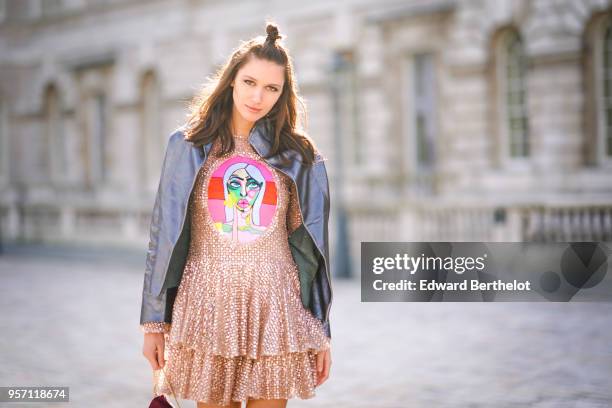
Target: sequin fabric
x,y
155,327
239,329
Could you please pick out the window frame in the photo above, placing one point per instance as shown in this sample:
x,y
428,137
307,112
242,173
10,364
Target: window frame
x,y
409,113
502,107
601,157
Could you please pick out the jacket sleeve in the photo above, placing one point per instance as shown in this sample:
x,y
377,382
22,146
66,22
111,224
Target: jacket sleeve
x,y
153,308
324,285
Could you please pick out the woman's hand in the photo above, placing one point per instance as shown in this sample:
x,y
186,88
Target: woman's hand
x,y
153,349
323,365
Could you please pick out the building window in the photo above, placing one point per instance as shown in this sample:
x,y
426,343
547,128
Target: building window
x,y
55,135
597,63
346,110
98,126
151,136
420,130
512,81
424,111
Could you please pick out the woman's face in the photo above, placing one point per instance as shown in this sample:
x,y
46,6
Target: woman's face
x,y
257,87
243,190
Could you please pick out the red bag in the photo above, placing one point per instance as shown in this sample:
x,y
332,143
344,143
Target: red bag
x,y
160,402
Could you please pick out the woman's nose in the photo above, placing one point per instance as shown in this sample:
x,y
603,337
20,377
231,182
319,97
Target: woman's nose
x,y
257,95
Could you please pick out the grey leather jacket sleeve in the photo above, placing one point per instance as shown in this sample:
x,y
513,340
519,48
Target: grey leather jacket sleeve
x,y
153,307
322,287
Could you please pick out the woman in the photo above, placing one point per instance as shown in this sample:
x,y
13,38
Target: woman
x,y
237,287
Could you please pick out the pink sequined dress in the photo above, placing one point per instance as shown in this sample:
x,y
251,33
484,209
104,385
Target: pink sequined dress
x,y
239,329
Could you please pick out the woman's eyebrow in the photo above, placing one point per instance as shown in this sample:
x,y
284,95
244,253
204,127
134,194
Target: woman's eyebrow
x,y
250,77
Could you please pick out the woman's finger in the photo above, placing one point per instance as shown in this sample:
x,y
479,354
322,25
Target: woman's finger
x,y
323,368
150,353
327,365
320,361
320,365
160,355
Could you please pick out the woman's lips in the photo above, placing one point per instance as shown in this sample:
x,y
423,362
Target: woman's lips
x,y
252,109
243,203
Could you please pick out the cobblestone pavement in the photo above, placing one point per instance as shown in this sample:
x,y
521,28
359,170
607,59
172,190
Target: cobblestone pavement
x,y
72,319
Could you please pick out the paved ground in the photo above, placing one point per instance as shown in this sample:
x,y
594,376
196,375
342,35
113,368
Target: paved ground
x,y
71,318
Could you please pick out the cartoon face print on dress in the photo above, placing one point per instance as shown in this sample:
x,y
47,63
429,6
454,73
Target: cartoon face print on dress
x,y
242,199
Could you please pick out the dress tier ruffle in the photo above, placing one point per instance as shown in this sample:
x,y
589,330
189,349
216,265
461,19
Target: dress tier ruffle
x,y
263,317
214,379
239,328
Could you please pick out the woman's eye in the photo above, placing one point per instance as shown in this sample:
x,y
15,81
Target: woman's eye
x,y
249,82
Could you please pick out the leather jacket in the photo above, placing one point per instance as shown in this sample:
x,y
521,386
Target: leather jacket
x,y
169,236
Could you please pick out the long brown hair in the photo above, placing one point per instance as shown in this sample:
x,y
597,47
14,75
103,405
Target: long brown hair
x,y
211,109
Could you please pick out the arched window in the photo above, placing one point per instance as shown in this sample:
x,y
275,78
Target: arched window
x,y
512,96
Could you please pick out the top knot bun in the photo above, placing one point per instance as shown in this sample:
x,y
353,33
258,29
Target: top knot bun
x,y
272,31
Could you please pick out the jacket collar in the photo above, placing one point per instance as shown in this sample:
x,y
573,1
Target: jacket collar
x,y
261,137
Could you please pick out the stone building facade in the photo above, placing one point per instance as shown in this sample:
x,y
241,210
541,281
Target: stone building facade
x,y
442,120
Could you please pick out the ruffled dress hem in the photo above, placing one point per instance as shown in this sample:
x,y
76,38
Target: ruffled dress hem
x,y
223,380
